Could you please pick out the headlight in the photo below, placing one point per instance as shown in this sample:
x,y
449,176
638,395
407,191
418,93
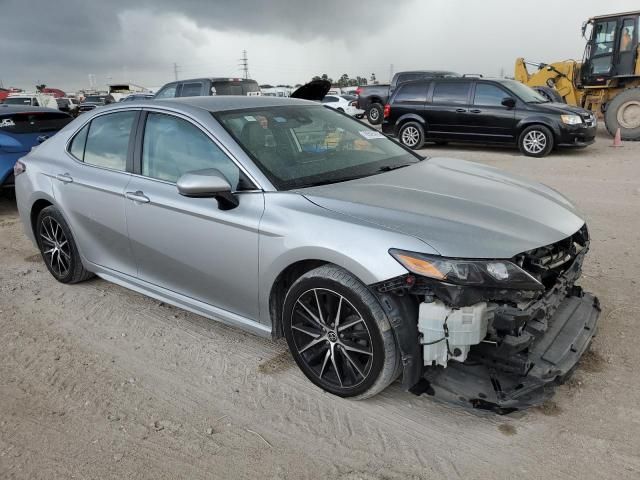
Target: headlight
x,y
571,119
478,273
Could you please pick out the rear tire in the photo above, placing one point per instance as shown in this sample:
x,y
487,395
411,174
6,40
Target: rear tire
x,y
623,112
339,335
411,134
374,114
536,141
58,248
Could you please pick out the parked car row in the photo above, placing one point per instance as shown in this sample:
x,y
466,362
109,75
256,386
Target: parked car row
x,y
477,110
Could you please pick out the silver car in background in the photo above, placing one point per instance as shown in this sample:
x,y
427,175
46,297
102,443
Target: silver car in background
x,y
286,218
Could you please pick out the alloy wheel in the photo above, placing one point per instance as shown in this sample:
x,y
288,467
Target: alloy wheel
x,y
56,249
535,142
332,338
374,114
410,136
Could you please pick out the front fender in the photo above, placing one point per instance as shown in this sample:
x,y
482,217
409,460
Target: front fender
x,y
539,120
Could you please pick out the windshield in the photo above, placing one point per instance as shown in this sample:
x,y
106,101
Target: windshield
x,y
525,93
307,145
94,99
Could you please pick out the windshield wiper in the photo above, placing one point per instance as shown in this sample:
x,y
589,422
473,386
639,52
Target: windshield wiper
x,y
388,168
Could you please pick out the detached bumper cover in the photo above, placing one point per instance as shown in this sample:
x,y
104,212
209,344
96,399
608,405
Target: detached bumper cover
x,y
552,356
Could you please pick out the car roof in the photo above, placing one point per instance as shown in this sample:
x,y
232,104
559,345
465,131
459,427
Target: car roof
x,y
213,79
434,72
6,109
219,103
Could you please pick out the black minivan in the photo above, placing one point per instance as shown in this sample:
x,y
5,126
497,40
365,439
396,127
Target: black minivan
x,y
485,111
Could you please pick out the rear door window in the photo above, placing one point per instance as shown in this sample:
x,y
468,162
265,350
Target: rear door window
x,y
451,92
488,95
107,142
193,89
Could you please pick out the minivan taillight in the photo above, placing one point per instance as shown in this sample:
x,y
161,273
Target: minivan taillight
x,y
18,168
387,111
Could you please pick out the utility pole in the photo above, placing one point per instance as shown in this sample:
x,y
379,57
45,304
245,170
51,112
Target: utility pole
x,y
175,70
390,72
244,63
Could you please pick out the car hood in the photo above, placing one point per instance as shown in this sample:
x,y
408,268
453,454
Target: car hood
x,y
562,108
314,90
458,208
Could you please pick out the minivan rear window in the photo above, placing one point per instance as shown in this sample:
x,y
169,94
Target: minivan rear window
x,y
33,122
451,92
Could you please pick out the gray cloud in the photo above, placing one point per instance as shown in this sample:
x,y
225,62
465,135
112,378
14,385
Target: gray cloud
x,y
60,42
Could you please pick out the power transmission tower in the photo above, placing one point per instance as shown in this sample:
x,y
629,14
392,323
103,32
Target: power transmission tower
x,y
244,63
175,70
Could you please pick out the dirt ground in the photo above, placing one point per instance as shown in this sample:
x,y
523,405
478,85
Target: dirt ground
x,y
97,382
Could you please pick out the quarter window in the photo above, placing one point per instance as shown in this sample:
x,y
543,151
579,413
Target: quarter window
x,y
489,95
107,142
450,92
173,147
412,93
77,144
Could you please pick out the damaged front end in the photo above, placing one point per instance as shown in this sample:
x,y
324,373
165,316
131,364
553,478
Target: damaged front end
x,y
492,334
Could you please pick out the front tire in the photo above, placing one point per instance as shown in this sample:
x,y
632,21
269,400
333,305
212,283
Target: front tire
x,y
339,335
623,112
536,141
374,114
58,248
411,134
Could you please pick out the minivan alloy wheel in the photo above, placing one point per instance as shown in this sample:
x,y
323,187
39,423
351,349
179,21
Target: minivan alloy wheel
x,y
55,246
535,142
410,136
332,338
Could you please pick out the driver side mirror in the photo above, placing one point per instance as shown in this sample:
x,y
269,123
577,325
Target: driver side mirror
x,y
508,102
208,183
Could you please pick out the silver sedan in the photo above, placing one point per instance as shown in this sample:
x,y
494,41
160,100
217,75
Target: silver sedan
x,y
285,218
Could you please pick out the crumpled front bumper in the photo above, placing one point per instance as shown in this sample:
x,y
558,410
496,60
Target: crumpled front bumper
x,y
553,356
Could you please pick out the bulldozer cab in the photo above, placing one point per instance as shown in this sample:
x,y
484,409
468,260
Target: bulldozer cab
x,y
612,49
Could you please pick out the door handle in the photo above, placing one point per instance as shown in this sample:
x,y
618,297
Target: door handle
x,y
461,110
64,178
475,110
137,196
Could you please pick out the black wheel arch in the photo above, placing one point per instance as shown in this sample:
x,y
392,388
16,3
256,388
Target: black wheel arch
x,y
409,117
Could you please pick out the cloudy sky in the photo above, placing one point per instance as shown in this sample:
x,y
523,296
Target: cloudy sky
x,y
288,41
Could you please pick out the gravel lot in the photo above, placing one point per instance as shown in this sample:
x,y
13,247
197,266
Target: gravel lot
x,y
99,382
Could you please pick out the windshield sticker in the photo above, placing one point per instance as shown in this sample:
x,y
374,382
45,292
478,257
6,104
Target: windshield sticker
x,y
371,134
7,122
280,119
250,118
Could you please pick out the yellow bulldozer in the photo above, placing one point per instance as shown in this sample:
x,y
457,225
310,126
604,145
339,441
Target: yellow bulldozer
x,y
607,80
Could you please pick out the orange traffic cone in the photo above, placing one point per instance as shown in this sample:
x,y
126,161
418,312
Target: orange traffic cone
x,y
617,140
